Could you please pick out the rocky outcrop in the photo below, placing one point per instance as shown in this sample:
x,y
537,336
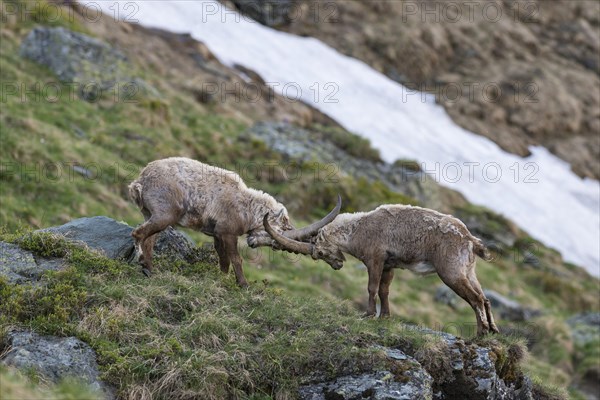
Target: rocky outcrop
x,y
377,385
455,370
468,371
21,266
308,145
109,237
55,359
113,239
502,306
509,309
410,382
77,58
585,327
585,331
104,234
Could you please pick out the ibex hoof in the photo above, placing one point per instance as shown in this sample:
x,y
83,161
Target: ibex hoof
x,y
147,272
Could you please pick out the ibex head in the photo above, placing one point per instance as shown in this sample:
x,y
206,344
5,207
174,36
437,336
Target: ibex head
x,y
327,251
321,249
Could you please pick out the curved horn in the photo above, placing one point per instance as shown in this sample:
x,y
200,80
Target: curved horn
x,y
311,230
285,242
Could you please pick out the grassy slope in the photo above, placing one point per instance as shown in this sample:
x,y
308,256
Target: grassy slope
x,y
40,132
190,331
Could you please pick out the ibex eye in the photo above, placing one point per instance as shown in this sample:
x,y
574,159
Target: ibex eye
x,y
321,253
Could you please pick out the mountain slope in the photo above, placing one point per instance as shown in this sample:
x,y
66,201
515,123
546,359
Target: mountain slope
x,y
540,191
118,138
520,73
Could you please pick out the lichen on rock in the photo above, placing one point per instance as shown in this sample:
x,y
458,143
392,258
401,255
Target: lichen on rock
x,y
55,359
93,65
20,266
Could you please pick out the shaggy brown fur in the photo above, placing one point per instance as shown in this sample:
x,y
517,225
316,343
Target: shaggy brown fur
x,y
398,236
215,201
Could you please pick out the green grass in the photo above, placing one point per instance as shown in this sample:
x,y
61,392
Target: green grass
x,y
43,142
354,145
190,331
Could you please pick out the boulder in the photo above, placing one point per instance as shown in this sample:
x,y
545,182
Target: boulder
x,y
55,358
509,309
591,319
77,58
113,239
308,145
585,331
104,234
585,328
176,245
445,295
21,266
502,306
412,383
467,371
454,369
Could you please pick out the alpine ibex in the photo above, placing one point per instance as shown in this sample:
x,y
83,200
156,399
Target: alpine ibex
x,y
398,236
215,201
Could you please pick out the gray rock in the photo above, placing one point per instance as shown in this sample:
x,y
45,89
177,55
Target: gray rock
x,y
502,306
21,266
510,309
176,245
74,56
14,262
467,371
445,295
396,354
585,327
585,331
267,12
377,385
489,385
114,240
414,383
590,318
55,358
77,58
100,233
300,144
